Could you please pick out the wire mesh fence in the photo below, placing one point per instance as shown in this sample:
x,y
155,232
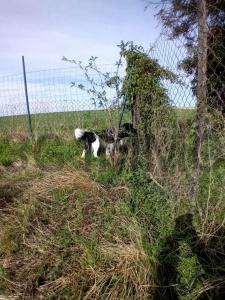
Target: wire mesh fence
x,y
54,102
170,54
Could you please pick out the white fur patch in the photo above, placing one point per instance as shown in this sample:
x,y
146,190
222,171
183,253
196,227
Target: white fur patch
x,y
78,133
122,141
110,147
95,146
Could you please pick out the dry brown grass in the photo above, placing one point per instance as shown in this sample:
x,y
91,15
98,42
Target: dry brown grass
x,y
18,137
129,276
63,236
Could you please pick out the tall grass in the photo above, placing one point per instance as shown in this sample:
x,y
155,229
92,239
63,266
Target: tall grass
x,y
73,228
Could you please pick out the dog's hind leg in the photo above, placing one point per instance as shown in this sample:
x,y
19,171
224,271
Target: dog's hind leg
x,y
83,153
110,148
87,147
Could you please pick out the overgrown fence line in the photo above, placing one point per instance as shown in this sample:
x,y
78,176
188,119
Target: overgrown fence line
x,y
51,94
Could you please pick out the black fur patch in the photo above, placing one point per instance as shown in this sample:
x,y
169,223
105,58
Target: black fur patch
x,y
89,137
126,130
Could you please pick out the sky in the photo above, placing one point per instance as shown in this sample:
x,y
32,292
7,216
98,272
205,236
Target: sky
x,y
46,30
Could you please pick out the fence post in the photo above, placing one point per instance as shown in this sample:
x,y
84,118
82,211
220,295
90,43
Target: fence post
x,y
26,95
201,93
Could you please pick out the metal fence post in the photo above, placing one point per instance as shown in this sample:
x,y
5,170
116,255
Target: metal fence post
x,y
26,95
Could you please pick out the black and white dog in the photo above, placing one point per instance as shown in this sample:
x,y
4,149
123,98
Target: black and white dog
x,y
104,141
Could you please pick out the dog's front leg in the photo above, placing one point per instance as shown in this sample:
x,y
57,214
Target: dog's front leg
x,y
107,153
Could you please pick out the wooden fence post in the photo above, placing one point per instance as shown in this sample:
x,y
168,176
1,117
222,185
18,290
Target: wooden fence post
x,y
201,94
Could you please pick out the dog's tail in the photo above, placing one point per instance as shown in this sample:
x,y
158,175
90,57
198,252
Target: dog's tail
x,y
79,133
84,135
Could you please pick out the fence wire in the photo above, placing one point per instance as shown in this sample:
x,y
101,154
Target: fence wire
x,y
170,53
51,94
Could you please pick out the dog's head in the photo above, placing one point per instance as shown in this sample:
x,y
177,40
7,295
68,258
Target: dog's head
x,y
128,127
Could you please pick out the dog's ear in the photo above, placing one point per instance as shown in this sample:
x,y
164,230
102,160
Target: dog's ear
x,y
126,126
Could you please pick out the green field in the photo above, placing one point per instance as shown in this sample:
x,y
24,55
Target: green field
x,y
59,122
67,121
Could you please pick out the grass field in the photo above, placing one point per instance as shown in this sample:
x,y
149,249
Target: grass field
x,y
59,122
15,136
79,229
62,122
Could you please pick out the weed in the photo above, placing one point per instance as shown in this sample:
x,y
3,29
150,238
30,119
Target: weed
x,y
10,152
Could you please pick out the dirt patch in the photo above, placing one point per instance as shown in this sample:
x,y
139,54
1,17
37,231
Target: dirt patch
x,y
8,192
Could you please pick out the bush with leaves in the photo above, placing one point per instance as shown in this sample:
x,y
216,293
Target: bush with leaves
x,y
147,99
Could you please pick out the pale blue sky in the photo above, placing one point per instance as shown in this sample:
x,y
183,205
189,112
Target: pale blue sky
x,y
46,30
